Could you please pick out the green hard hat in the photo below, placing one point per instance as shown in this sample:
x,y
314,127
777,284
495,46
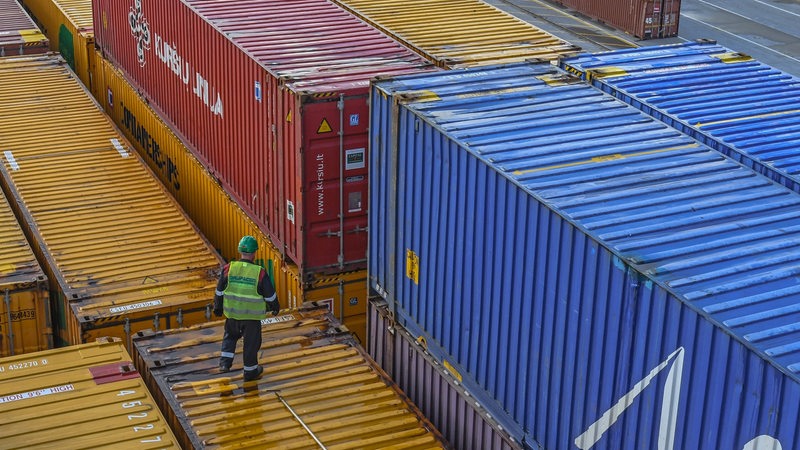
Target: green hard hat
x,y
248,244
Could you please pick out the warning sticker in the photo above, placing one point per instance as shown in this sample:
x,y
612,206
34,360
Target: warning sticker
x,y
324,127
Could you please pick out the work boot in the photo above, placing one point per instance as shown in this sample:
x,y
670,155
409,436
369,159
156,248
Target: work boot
x,y
225,364
250,375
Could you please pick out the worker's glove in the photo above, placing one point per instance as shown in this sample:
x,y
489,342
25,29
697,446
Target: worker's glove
x,y
218,312
274,306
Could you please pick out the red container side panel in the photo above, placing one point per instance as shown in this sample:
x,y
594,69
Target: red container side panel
x,y
272,98
644,19
19,35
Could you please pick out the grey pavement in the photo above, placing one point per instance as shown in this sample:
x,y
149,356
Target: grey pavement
x,y
767,30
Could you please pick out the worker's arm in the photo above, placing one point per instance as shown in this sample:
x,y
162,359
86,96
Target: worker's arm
x,y
222,283
267,291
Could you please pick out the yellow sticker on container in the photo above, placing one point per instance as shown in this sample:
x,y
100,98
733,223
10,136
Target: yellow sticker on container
x,y
324,127
452,371
412,266
289,116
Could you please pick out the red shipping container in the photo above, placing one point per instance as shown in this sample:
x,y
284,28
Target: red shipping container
x,y
273,98
18,34
645,19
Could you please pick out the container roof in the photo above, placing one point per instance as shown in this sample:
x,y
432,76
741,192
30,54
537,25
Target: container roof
x,y
721,238
313,45
319,389
110,230
693,83
460,33
83,396
17,261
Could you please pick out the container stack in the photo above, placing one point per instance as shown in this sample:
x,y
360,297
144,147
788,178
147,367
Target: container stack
x,y
19,35
594,278
83,396
119,252
25,323
319,389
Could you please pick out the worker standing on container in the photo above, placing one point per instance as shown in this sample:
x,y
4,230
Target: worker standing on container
x,y
244,294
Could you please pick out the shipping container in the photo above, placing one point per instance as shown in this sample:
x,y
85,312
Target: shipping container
x,y
19,35
25,324
319,389
273,98
644,19
216,214
688,87
68,26
460,33
84,396
462,420
611,282
119,252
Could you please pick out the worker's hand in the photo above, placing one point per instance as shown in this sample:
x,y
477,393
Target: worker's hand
x,y
218,312
274,306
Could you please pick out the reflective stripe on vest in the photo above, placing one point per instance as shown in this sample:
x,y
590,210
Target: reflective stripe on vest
x,y
241,299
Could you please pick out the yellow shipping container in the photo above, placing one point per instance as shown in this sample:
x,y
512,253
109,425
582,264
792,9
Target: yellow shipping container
x,y
24,299
118,250
460,33
319,389
86,396
68,26
217,215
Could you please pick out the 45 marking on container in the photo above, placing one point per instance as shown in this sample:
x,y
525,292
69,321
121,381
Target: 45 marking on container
x,y
669,405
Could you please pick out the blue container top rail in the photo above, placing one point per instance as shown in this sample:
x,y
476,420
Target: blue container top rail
x,y
719,236
725,99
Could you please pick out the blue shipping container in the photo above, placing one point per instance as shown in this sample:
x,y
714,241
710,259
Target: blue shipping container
x,y
597,279
726,100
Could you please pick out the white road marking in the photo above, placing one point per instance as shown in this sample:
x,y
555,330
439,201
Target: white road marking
x,y
739,37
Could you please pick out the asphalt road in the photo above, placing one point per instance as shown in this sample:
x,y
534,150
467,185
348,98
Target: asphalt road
x,y
768,30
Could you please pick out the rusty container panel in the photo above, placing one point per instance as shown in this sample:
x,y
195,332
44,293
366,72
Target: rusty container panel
x,y
84,396
319,389
118,250
272,98
644,19
68,26
460,33
438,392
25,324
19,35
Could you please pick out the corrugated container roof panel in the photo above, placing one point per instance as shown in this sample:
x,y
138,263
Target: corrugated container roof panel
x,y
723,239
460,33
18,34
78,12
83,396
108,228
312,45
744,108
17,261
319,389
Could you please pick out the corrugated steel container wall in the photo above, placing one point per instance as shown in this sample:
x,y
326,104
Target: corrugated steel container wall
x,y
688,86
84,396
460,33
319,389
119,250
18,34
217,215
464,423
612,282
68,26
255,89
645,19
25,324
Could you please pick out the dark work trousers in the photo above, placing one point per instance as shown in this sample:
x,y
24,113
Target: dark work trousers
x,y
250,330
